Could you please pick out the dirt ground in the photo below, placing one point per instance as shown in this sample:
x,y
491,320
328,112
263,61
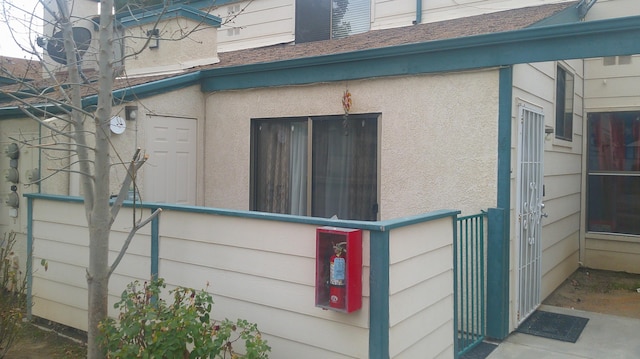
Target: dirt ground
x,y
37,343
592,290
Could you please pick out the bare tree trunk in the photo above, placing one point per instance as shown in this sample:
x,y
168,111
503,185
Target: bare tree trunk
x,y
95,181
101,220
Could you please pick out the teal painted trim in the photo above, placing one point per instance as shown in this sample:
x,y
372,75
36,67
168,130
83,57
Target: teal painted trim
x,y
497,274
381,226
29,268
567,41
173,11
505,106
418,12
119,96
155,247
148,89
498,262
13,112
456,258
194,4
379,297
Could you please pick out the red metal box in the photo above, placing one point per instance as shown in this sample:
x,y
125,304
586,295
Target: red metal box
x,y
339,269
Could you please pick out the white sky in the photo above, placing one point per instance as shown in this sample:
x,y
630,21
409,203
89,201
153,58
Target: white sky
x,y
19,23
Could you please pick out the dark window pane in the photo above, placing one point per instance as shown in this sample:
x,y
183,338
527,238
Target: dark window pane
x,y
614,204
564,105
280,166
614,141
344,168
313,20
324,19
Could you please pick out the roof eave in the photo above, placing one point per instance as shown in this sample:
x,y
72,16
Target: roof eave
x,y
174,11
535,44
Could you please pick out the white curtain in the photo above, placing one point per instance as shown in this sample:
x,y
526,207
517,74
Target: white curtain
x,y
298,169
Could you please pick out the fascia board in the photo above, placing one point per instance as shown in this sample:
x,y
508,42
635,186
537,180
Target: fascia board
x,y
148,89
119,96
173,11
566,41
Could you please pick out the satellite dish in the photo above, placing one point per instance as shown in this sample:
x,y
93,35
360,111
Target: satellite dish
x,y
55,45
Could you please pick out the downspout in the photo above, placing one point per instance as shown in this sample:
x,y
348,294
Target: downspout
x,y
584,6
29,268
418,19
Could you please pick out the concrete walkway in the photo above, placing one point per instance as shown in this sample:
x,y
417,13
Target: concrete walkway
x,y
604,337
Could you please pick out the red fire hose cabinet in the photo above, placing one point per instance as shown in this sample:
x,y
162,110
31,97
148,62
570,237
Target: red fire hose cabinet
x,y
339,269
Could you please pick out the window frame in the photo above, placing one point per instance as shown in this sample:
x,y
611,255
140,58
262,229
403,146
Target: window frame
x,y
306,30
563,115
601,174
310,120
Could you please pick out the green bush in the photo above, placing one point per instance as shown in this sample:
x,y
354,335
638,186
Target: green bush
x,y
12,294
149,327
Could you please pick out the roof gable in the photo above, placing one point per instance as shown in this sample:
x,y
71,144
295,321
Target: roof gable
x,y
149,16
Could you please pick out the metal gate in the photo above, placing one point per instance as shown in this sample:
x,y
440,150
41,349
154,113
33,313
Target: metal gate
x,y
469,283
529,209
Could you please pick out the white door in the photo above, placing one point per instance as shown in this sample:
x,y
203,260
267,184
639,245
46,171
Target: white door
x,y
529,209
170,172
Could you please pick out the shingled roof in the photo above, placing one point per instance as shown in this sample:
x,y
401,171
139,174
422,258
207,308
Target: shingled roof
x,y
14,69
508,20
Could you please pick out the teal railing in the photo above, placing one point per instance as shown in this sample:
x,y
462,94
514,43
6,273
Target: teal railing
x,y
469,282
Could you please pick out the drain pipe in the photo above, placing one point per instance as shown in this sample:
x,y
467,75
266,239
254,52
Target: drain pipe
x,y
584,6
418,19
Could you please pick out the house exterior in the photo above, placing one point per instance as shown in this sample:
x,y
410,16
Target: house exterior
x,y
494,105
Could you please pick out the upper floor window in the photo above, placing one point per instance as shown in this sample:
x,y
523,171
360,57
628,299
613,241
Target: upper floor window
x,y
331,19
564,104
318,166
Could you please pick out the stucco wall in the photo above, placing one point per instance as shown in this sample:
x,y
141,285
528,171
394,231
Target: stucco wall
x,y
436,138
185,103
182,44
426,248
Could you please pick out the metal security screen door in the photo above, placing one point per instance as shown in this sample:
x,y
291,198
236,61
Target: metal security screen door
x,y
529,209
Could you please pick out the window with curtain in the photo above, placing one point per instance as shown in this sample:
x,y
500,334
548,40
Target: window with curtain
x,y
613,182
338,177
331,19
564,104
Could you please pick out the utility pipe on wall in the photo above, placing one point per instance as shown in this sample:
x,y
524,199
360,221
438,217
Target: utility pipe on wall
x,y
418,19
584,6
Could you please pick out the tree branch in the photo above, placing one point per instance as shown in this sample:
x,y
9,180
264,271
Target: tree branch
x,y
132,172
125,246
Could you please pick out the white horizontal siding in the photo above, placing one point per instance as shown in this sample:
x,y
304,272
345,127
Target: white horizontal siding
x,y
535,84
392,13
259,270
256,270
262,23
421,290
262,267
60,238
431,328
612,252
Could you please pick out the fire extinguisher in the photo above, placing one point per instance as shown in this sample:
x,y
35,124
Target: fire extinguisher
x,y
337,276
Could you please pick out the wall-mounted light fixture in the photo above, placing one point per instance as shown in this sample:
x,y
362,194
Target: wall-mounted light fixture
x,y
154,38
130,113
548,130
